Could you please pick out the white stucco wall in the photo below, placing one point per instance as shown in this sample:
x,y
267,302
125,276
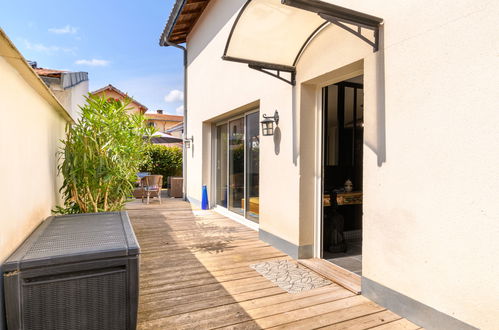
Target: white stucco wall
x,y
30,130
78,98
72,98
217,87
430,161
431,212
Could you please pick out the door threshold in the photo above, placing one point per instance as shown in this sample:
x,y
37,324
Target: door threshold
x,y
236,217
334,273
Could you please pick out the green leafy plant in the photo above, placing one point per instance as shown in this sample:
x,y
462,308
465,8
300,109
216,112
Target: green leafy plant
x,y
101,155
163,160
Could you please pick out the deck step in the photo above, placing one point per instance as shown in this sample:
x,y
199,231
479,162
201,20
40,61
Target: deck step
x,y
332,272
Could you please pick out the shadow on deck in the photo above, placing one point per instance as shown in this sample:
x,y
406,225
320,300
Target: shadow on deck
x,y
195,274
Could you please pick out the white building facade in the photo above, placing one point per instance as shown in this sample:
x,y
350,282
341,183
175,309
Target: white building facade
x,y
406,110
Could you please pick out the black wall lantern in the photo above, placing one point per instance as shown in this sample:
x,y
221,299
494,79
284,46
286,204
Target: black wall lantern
x,y
268,123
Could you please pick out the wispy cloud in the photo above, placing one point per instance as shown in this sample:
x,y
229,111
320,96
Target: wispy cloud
x,y
93,62
68,29
38,47
174,95
180,110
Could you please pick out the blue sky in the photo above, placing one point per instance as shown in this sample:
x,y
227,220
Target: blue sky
x,y
116,42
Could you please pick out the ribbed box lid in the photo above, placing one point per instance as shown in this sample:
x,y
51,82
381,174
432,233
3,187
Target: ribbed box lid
x,y
73,238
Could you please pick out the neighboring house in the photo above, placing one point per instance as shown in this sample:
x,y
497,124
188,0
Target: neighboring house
x,y
110,91
70,88
161,121
176,130
32,125
400,98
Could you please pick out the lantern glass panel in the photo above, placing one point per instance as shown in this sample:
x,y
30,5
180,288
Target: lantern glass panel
x,y
267,127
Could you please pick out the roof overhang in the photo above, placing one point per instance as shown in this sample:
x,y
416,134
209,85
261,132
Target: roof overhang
x,y
271,35
183,17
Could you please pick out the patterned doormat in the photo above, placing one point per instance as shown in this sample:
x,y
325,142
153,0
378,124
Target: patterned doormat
x,y
289,276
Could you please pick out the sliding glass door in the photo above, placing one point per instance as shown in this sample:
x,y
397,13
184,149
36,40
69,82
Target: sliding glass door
x,y
237,165
221,165
252,166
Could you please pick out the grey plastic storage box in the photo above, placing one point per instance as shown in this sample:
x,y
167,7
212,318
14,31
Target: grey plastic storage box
x,y
74,272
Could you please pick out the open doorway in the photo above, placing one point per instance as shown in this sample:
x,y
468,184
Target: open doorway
x,y
343,132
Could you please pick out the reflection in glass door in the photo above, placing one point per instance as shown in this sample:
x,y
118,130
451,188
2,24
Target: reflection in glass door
x,y
236,165
221,165
252,166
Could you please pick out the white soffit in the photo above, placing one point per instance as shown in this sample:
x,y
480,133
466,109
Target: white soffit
x,y
270,32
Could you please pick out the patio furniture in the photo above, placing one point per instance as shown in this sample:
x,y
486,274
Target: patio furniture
x,y
151,187
176,187
138,191
74,272
140,175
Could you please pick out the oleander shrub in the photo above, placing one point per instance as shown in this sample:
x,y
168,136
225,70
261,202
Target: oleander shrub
x,y
101,155
163,160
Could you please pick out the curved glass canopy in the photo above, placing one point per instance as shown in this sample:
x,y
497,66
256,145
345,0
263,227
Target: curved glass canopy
x,y
270,35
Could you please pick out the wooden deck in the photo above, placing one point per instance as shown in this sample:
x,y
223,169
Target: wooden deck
x,y
195,274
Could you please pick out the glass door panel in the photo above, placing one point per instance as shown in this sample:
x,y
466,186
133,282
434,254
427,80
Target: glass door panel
x,y
221,165
252,166
236,166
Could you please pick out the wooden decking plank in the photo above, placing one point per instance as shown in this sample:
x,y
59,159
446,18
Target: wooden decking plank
x,y
287,297
182,307
297,303
334,273
299,314
228,288
195,274
401,324
171,247
206,299
332,317
235,313
224,266
364,322
208,255
160,301
176,243
151,288
151,264
191,274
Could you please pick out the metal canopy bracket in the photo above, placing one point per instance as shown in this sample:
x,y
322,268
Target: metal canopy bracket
x,y
272,69
276,73
341,16
336,21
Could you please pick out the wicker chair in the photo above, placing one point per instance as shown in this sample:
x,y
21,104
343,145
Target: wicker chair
x,y
151,187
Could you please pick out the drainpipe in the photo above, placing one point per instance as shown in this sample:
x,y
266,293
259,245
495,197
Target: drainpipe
x,y
184,135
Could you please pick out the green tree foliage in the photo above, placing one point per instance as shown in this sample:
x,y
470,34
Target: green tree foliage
x,y
163,160
101,155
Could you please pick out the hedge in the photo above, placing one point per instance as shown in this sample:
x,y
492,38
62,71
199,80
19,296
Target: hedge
x,y
163,160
